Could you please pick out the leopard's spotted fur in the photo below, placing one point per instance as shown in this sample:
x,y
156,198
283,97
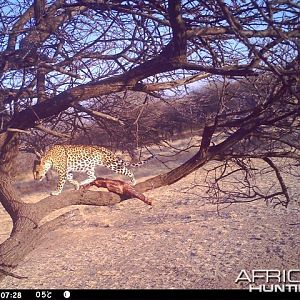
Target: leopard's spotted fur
x,y
65,159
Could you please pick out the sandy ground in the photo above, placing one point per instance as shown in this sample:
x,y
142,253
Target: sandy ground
x,y
178,243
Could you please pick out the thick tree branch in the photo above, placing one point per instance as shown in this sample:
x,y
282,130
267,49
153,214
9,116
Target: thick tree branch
x,y
152,87
179,44
228,33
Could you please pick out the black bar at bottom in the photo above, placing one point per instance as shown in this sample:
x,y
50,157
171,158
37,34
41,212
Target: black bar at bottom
x,y
142,294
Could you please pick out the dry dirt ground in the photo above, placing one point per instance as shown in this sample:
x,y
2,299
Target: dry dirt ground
x,y
178,243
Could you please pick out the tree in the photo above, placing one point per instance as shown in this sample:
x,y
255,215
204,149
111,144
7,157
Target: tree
x,y
60,58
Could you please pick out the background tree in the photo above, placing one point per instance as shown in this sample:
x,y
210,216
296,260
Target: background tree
x,y
66,65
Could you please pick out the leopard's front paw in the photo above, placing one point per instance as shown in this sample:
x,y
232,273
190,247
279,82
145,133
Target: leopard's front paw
x,y
55,193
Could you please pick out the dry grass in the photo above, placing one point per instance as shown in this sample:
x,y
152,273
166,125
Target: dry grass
x,y
179,243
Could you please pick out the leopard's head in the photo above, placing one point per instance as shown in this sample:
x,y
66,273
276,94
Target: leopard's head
x,y
39,170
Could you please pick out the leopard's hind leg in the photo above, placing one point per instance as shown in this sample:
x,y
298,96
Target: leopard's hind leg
x,y
71,180
91,177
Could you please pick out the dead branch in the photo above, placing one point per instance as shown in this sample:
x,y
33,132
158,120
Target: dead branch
x,y
8,273
97,114
50,131
18,130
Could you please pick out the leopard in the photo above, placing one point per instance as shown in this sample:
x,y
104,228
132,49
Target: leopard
x,y
66,159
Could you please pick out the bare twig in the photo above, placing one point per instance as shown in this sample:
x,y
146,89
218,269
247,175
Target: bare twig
x,y
98,114
280,180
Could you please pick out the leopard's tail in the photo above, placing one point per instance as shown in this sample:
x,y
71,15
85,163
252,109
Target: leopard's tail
x,y
138,164
142,162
